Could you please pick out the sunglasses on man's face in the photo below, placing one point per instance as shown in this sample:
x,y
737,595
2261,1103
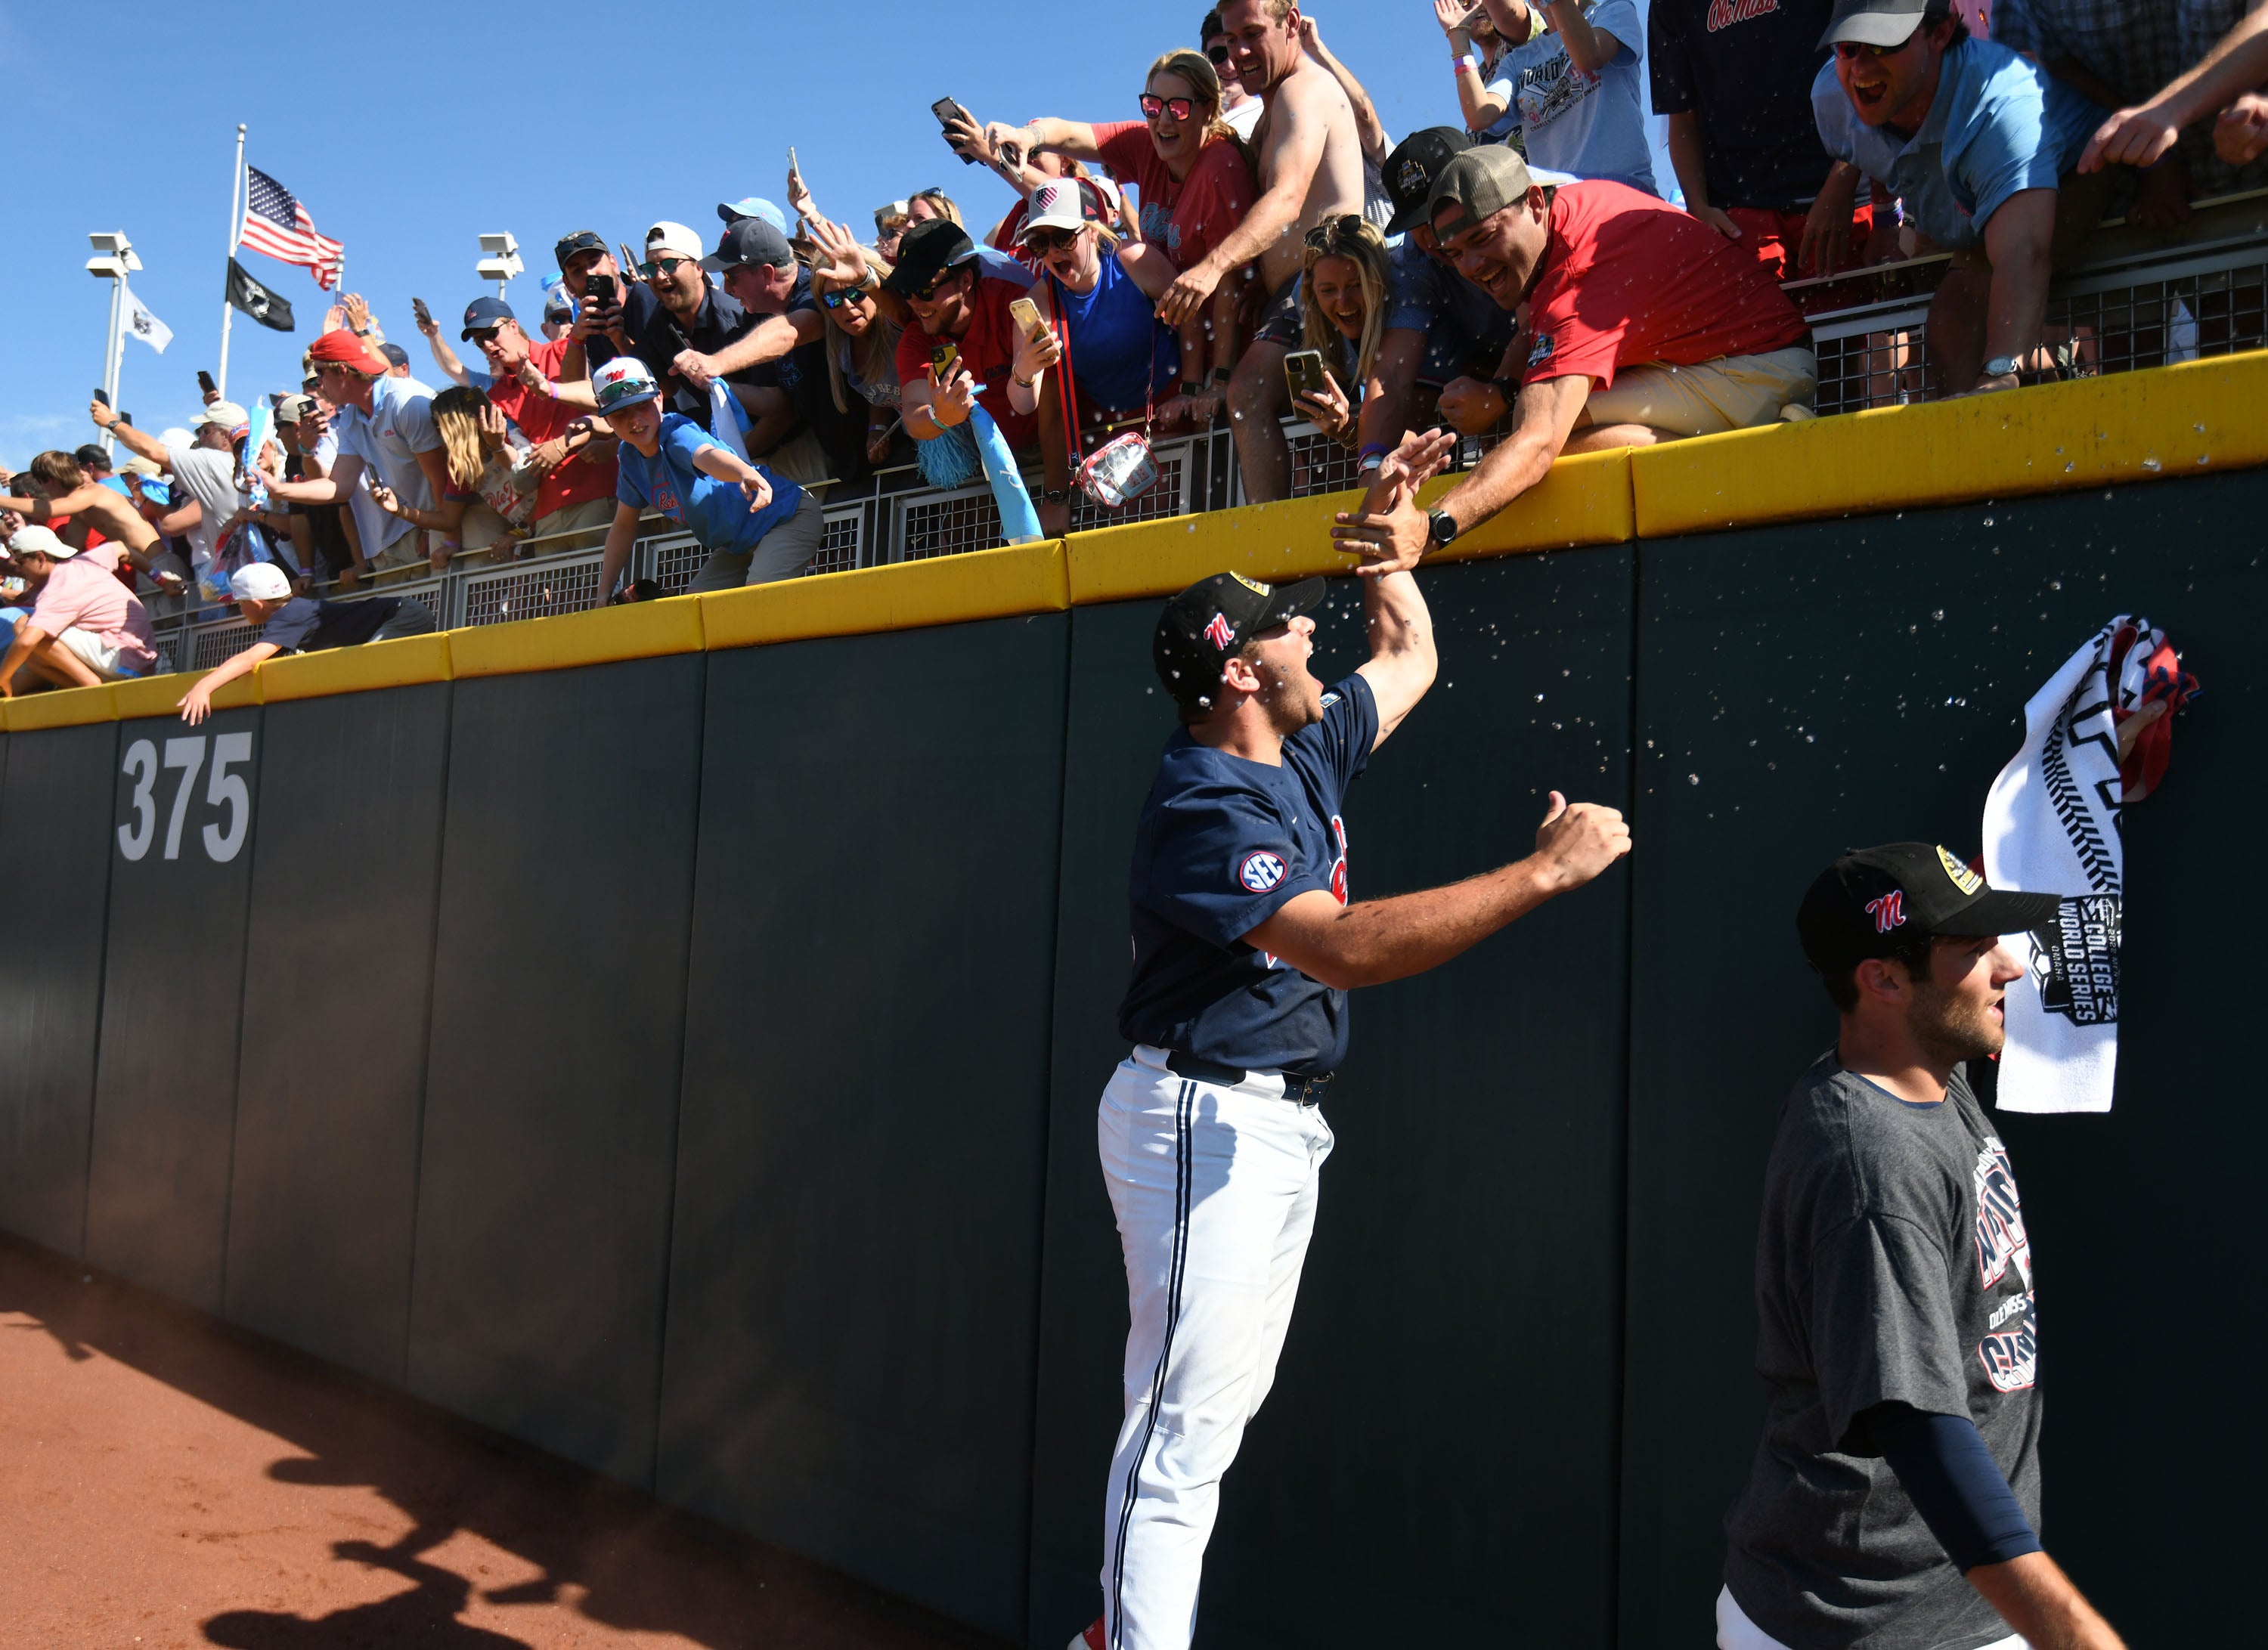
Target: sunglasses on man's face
x,y
1180,108
1851,49
664,266
1218,55
484,334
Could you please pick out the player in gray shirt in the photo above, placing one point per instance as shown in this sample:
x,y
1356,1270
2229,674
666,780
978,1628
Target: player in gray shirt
x,y
1895,1496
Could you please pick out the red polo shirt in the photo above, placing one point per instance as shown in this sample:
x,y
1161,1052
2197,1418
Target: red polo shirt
x,y
540,418
989,348
1628,279
1187,217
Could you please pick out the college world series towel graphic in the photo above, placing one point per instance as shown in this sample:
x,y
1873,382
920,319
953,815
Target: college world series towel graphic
x,y
2051,825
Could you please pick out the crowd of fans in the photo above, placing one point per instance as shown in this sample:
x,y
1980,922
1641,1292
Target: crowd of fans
x,y
1253,244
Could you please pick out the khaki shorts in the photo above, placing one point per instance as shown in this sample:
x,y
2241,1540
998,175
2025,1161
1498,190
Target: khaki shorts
x,y
408,551
588,521
1733,391
105,659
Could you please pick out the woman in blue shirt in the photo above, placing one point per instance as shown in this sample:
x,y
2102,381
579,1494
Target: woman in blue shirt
x,y
1124,359
756,527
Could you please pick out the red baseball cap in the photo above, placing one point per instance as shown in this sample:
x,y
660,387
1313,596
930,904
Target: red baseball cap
x,y
350,348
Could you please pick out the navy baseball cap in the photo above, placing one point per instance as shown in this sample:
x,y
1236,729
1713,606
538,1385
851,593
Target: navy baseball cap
x,y
581,240
1410,170
1870,900
482,313
1202,628
394,354
750,241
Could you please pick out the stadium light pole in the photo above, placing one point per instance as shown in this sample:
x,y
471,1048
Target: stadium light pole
x,y
113,261
501,262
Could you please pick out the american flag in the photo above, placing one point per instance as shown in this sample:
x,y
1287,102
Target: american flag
x,y
274,223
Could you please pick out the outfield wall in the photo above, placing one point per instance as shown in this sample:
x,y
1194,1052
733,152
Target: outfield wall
x,y
670,1035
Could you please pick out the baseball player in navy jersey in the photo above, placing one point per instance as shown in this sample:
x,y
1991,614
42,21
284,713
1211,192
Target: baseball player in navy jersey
x,y
1246,943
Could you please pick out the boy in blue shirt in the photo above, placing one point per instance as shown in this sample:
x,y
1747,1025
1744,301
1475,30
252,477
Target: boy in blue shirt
x,y
755,526
1982,146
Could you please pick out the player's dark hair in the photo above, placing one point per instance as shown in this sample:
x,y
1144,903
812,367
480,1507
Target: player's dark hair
x,y
1913,950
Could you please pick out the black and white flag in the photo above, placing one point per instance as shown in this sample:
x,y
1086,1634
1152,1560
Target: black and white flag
x,y
256,300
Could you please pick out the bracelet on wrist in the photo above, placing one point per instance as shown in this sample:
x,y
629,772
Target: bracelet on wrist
x,y
1463,61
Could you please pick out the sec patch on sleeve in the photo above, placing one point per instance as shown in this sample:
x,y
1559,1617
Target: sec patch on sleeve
x,y
1260,871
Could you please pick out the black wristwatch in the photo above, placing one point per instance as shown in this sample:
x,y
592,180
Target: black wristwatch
x,y
1055,496
1441,529
1221,376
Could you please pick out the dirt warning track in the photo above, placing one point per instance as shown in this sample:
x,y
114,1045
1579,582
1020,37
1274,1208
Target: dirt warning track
x,y
168,1482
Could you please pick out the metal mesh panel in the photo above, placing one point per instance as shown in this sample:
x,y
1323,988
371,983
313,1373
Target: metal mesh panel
x,y
2155,323
672,563
838,551
1321,464
213,644
1885,367
1168,497
567,586
950,524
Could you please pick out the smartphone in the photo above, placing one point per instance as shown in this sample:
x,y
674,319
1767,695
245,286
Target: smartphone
x,y
601,289
1027,315
1303,372
205,383
102,395
947,112
944,360
793,164
417,308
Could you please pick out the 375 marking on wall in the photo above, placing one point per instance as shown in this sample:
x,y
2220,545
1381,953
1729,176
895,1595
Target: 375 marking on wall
x,y
224,790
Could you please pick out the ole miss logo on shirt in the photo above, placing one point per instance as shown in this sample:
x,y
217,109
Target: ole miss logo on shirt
x,y
1724,14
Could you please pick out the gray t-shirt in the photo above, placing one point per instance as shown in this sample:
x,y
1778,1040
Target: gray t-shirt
x,y
1892,1266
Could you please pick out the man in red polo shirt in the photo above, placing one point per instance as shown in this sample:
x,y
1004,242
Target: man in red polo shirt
x,y
577,496
1644,324
956,299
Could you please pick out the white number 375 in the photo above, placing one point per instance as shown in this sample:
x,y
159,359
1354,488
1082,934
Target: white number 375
x,y
222,790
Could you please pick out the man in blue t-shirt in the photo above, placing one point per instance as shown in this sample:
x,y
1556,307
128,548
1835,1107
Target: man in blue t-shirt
x,y
1244,947
756,527
299,625
1982,146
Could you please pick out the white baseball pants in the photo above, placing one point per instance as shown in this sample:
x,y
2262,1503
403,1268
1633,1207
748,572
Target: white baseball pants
x,y
1736,1632
1214,1189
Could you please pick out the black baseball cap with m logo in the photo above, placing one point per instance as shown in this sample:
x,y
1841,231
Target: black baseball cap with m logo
x,y
1205,626
1871,901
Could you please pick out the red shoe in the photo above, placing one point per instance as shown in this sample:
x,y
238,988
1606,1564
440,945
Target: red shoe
x,y
1090,1639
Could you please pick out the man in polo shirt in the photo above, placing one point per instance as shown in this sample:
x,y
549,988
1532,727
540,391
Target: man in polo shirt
x,y
1982,145
578,491
84,628
758,269
299,625
960,304
1644,324
385,426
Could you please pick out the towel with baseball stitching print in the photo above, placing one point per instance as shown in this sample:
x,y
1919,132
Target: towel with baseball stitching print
x,y
2052,825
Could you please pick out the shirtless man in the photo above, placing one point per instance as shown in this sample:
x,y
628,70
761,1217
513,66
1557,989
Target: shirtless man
x,y
88,505
1310,156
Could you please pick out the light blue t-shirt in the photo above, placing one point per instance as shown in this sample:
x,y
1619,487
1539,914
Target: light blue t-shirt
x,y
1589,125
1997,126
717,511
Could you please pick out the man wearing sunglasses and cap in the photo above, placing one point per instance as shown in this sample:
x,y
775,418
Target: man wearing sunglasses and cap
x,y
1247,939
1982,145
1895,1492
1644,324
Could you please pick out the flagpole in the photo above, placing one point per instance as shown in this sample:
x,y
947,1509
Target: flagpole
x,y
110,346
235,228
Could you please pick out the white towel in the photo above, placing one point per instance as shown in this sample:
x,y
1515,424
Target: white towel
x,y
2051,827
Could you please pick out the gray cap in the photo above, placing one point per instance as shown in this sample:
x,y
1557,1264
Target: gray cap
x,y
750,241
1881,22
1481,183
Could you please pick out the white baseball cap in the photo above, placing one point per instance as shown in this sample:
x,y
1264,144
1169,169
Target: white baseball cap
x,y
668,237
1058,203
41,541
227,414
259,581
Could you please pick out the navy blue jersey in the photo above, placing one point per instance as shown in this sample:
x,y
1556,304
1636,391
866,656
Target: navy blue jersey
x,y
1223,845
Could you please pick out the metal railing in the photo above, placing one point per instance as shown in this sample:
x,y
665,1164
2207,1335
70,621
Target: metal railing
x,y
2130,306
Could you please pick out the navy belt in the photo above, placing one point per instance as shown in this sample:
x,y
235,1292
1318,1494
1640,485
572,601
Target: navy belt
x,y
1304,1091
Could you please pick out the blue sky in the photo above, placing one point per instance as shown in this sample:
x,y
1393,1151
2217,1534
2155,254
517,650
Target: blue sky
x,y
408,133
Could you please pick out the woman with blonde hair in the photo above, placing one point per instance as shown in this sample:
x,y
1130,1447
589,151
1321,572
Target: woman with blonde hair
x,y
489,502
1197,184
1343,292
862,342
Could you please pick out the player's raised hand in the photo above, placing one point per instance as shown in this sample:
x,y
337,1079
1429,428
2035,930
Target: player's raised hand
x,y
1578,840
